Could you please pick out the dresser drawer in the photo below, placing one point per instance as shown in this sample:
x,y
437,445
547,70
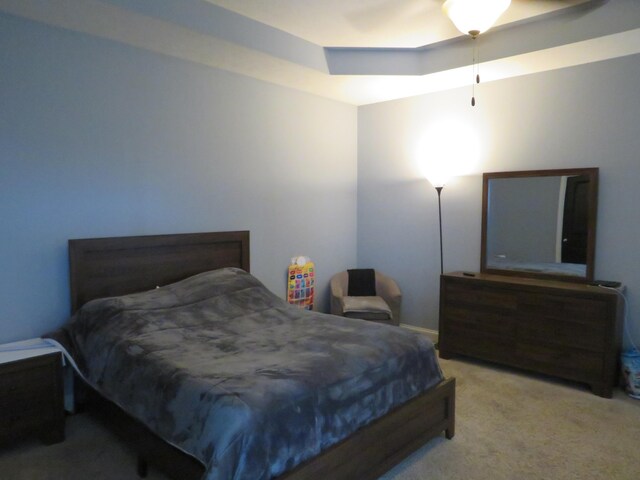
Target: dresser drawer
x,y
563,333
27,416
26,382
579,310
36,398
460,317
31,399
572,363
478,295
482,345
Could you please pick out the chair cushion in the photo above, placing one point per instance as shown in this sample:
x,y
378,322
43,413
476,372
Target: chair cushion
x,y
367,308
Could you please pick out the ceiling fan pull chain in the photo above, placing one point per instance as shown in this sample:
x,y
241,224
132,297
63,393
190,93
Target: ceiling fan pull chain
x,y
477,47
475,74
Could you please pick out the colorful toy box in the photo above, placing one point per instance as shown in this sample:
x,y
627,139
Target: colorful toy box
x,y
301,283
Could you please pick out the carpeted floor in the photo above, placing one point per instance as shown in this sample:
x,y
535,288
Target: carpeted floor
x,y
510,425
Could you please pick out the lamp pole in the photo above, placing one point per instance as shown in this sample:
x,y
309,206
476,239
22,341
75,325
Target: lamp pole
x,y
439,190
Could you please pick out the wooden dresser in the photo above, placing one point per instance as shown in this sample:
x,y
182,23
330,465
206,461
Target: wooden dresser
x,y
557,328
31,398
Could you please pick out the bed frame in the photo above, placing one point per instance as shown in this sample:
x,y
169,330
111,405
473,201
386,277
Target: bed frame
x,y
115,266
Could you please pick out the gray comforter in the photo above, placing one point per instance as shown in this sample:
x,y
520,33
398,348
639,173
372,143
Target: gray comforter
x,y
223,369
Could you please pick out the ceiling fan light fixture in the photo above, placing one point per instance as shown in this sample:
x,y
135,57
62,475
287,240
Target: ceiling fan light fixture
x,y
473,17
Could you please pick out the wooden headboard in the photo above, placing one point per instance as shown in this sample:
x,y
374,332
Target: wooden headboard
x,y
105,267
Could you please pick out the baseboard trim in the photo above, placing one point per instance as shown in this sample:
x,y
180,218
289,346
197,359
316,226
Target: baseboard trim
x,y
432,334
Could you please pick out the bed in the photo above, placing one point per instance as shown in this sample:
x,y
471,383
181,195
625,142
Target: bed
x,y
182,263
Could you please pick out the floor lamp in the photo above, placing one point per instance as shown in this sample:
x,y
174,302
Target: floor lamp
x,y
439,190
439,187
438,178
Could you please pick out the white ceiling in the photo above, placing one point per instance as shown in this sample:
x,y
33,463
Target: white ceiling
x,y
386,49
371,23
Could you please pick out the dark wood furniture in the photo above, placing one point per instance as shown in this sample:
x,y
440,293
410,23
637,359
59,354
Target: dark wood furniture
x,y
115,266
31,399
568,330
106,267
585,214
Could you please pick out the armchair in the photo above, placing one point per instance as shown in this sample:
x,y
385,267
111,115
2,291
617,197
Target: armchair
x,y
383,308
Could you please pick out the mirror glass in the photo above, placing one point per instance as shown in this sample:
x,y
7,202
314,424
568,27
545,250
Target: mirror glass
x,y
540,223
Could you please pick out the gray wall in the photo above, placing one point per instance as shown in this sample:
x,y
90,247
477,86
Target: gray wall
x,y
585,116
101,139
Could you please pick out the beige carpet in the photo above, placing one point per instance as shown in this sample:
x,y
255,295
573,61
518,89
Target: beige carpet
x,y
510,425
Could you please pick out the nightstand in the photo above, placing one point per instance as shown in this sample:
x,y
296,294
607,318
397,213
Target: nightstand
x,y
31,396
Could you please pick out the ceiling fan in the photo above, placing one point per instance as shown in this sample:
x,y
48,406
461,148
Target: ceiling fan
x,y
473,17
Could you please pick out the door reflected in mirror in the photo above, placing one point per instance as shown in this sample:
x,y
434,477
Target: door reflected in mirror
x,y
540,223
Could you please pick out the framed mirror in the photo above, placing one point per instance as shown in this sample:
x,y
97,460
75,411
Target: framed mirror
x,y
540,223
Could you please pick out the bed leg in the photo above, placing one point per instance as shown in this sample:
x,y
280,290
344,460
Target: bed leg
x,y
450,407
449,433
143,467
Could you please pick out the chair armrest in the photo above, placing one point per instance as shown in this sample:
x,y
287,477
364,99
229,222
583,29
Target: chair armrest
x,y
337,287
388,289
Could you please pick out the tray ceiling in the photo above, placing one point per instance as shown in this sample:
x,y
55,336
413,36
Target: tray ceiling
x,y
354,51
